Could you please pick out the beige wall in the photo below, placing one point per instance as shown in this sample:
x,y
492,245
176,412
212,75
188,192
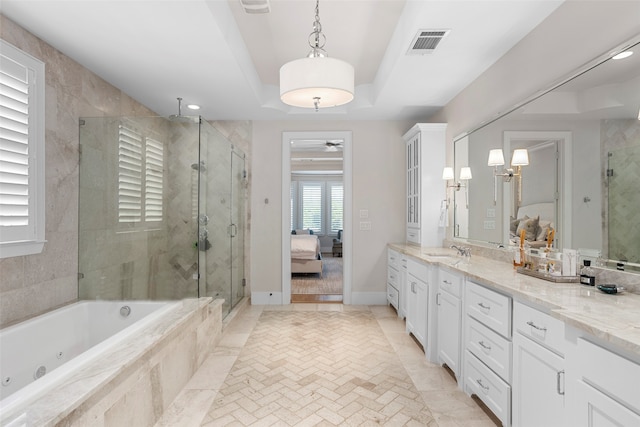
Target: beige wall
x,y
576,33
378,185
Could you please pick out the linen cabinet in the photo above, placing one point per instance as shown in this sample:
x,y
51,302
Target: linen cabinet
x,y
424,161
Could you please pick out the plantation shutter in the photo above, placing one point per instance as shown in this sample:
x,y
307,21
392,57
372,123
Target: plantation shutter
x,y
292,198
312,206
129,176
336,206
16,215
154,172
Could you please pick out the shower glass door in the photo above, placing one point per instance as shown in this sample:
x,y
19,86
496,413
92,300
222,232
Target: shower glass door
x,y
221,218
237,229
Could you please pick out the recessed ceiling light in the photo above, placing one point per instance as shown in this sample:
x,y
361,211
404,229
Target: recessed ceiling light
x,y
193,107
622,55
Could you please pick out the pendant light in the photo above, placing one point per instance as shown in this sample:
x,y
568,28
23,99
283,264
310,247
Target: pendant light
x,y
316,81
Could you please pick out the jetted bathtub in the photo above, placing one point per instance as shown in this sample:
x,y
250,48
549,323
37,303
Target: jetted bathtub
x,y
85,363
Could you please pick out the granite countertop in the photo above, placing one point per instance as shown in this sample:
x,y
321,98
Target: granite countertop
x,y
612,318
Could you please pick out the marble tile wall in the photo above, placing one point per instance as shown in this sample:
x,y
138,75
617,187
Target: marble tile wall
x,y
621,138
35,284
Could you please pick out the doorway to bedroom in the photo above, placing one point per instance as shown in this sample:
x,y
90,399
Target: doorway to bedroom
x,y
316,208
317,212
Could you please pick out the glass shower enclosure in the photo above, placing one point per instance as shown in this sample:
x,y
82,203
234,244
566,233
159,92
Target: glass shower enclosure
x,y
161,210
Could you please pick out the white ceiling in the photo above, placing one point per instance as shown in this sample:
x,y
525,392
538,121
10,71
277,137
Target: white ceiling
x,y
210,52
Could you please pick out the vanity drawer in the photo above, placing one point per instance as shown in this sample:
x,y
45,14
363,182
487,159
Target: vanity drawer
x,y
393,258
418,270
489,307
392,296
492,349
393,277
489,388
413,235
539,326
612,374
450,282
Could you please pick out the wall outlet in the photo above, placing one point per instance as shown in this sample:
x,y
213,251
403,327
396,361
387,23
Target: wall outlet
x,y
489,225
365,225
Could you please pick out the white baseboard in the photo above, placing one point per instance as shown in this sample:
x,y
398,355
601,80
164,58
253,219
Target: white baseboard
x,y
368,298
266,298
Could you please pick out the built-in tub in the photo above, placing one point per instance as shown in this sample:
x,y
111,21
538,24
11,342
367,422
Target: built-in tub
x,y
52,364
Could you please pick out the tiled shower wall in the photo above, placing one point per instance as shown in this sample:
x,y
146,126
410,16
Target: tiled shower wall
x,y
620,192
33,284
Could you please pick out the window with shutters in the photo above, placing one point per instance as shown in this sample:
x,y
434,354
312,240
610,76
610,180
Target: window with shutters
x,y
335,206
22,208
140,179
317,205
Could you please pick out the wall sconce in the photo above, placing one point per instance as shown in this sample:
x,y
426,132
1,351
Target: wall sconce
x,y
496,158
465,175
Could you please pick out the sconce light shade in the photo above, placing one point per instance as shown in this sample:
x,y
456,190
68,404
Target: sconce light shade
x,y
496,158
447,173
465,174
520,157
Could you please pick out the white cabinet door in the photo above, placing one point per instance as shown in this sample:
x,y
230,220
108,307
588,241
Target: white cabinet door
x,y
413,182
449,309
412,303
538,385
422,301
599,410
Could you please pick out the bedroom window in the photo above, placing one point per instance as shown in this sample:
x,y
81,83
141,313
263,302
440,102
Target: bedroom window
x,y
22,208
317,205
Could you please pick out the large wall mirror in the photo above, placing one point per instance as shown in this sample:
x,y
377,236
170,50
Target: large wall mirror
x,y
581,175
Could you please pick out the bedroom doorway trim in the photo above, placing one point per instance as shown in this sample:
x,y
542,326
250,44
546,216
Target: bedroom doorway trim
x,y
346,136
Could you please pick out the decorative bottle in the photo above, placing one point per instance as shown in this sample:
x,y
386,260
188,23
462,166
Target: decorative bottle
x,y
587,276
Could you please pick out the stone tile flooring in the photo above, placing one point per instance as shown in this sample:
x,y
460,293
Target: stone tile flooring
x,y
320,365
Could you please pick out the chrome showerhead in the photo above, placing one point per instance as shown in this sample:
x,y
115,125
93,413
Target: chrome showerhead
x,y
180,118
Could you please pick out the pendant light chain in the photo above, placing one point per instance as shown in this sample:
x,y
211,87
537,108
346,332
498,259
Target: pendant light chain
x,y
317,39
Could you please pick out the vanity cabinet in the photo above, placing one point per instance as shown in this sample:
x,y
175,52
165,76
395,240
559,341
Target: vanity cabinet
x,y
418,301
394,279
449,318
487,355
607,387
424,161
538,369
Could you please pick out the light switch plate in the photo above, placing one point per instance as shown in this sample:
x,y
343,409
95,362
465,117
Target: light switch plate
x,y
364,213
491,213
365,225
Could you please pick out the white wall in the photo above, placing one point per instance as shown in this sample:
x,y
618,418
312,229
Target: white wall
x,y
378,186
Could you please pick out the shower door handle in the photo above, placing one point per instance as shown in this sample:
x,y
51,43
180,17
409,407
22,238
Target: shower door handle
x,y
233,230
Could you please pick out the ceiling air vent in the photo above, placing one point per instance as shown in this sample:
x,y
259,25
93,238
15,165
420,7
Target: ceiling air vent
x,y
426,41
256,6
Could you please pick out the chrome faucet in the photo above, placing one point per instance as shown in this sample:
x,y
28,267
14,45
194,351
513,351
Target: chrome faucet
x,y
462,251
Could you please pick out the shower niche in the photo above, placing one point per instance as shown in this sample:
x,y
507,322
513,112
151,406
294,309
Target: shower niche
x,y
162,210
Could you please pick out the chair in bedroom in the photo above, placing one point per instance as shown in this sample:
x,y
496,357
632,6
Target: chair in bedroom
x,y
337,245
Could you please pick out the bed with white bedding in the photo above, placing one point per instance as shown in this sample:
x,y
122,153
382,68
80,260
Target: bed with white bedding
x,y
540,218
305,254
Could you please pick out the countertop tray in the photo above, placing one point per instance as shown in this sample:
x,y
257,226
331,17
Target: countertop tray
x,y
549,277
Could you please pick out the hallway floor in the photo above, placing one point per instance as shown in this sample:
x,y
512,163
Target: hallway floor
x,y
320,364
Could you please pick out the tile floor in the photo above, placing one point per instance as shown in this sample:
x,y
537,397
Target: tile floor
x,y
324,365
